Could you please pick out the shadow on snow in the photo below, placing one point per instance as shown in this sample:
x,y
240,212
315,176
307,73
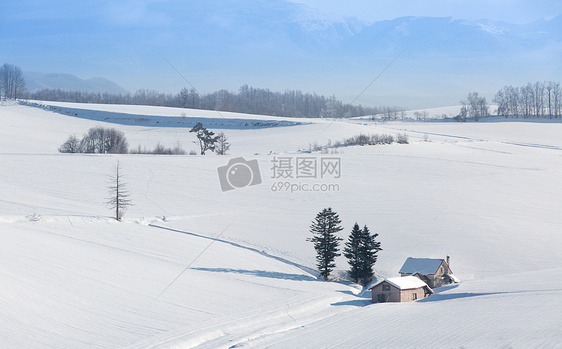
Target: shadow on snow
x,y
313,273
164,121
261,273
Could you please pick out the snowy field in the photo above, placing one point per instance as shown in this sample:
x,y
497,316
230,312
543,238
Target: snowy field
x,y
191,266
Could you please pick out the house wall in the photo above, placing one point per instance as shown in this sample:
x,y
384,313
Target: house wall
x,y
438,279
408,295
433,280
390,296
395,294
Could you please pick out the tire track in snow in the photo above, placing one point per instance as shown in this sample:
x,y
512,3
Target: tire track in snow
x,y
534,145
148,189
239,331
308,270
519,144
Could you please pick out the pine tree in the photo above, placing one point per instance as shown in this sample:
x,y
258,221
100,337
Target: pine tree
x,y
353,253
361,253
368,251
324,228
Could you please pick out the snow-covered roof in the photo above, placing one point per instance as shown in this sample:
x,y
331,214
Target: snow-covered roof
x,y
455,279
404,283
423,266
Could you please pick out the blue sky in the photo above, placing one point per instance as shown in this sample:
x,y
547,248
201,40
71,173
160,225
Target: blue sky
x,y
219,44
514,11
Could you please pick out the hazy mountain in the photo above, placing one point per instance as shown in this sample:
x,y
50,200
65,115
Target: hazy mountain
x,y
277,44
282,45
456,37
284,24
37,81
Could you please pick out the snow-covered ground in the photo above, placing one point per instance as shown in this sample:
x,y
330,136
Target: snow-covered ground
x,y
193,266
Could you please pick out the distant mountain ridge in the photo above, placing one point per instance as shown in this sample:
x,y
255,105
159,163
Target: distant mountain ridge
x,y
277,44
454,36
441,59
35,81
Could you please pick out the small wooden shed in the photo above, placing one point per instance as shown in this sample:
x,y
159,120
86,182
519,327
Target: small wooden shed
x,y
400,289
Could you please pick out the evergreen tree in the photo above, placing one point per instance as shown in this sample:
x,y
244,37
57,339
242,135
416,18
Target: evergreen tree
x,y
352,252
361,253
368,251
324,228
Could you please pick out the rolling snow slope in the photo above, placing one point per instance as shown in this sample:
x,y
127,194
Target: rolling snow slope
x,y
486,194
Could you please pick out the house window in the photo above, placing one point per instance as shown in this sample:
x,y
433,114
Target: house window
x,y
385,287
414,296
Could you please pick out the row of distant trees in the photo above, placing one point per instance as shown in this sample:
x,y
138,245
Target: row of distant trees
x,y
101,140
538,100
293,103
12,83
247,99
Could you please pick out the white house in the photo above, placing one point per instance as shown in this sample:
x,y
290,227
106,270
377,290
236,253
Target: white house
x,y
434,272
400,289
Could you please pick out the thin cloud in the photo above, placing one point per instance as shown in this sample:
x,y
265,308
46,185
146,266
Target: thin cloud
x,y
136,13
513,11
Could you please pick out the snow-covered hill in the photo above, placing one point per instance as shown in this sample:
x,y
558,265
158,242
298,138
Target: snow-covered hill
x,y
193,266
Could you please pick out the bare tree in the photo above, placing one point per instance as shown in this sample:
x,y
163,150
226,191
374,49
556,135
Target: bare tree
x,y
556,95
402,113
538,89
549,86
72,145
183,97
104,140
501,100
527,99
463,113
12,83
477,106
223,146
118,199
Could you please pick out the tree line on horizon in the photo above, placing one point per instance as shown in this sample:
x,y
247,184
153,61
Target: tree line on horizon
x,y
12,83
538,100
250,100
533,100
262,101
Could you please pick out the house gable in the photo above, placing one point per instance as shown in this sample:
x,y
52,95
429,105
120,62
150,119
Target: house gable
x,y
425,266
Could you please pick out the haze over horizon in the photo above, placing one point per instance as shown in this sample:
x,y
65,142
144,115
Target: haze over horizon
x,y
443,53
